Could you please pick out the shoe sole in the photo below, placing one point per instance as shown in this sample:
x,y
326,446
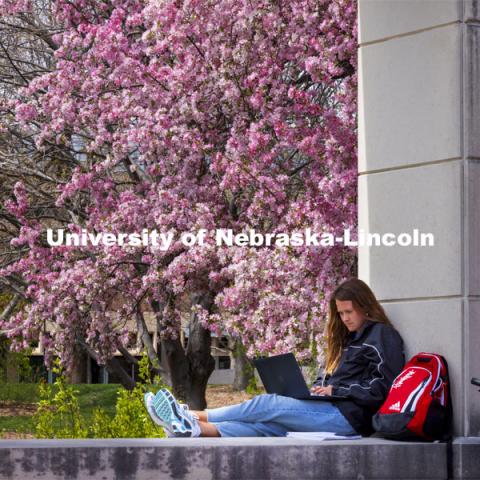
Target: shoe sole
x,y
151,411
165,407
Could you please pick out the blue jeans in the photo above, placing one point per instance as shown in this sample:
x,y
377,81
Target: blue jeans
x,y
272,415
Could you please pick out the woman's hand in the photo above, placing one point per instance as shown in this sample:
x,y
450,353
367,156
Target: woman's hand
x,y
322,390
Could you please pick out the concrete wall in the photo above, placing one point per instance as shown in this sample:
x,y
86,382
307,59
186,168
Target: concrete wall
x,y
222,377
222,459
419,167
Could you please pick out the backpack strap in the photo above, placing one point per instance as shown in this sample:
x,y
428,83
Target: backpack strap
x,y
448,435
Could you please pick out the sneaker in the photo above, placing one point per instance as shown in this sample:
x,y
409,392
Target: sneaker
x,y
181,422
186,408
148,401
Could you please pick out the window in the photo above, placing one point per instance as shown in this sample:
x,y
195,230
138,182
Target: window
x,y
224,363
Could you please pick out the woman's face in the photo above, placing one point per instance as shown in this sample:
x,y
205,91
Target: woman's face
x,y
351,317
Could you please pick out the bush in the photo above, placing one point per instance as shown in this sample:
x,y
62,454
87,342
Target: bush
x,y
59,415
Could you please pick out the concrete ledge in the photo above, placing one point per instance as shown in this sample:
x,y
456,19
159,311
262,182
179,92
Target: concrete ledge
x,y
221,459
466,458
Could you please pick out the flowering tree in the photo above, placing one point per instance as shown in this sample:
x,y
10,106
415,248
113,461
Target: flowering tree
x,y
180,116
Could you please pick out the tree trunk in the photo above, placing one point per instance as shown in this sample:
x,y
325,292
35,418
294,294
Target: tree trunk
x,y
4,351
78,373
12,372
190,369
113,365
243,367
9,309
178,367
200,360
148,344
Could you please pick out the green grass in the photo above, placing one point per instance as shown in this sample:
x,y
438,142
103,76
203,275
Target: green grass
x,y
19,424
95,396
19,392
89,397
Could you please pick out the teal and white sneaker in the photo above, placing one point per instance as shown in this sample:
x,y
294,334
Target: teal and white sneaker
x,y
148,401
175,419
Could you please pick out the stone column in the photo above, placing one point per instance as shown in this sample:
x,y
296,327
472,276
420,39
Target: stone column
x,y
419,167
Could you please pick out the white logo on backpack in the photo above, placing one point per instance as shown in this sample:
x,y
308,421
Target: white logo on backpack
x,y
399,382
395,406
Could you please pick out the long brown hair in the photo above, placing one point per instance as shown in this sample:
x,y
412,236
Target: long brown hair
x,y
363,300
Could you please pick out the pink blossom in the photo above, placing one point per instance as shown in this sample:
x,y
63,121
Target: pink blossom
x,y
193,115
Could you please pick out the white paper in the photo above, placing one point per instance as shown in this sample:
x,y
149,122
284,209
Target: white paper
x,y
322,436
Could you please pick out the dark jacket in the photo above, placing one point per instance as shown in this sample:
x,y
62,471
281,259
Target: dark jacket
x,y
372,358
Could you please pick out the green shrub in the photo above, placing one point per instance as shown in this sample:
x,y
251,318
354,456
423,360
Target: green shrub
x,y
59,416
252,387
131,420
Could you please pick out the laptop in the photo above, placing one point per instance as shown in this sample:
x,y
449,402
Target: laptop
x,y
281,374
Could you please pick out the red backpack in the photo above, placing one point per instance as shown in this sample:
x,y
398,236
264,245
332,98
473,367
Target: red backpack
x,y
419,402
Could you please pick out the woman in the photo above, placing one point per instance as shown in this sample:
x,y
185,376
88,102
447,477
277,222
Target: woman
x,y
364,355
